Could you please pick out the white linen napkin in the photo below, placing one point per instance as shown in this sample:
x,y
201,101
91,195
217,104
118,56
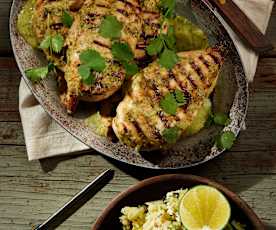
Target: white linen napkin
x,y
45,138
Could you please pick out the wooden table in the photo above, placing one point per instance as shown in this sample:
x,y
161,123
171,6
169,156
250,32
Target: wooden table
x,y
31,191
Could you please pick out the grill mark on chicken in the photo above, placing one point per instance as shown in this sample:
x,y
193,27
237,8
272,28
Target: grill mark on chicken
x,y
197,69
152,14
180,83
163,118
102,6
130,4
138,129
204,61
123,12
96,42
192,82
215,59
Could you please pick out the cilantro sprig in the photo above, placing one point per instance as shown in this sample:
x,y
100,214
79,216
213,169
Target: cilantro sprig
x,y
36,74
110,27
218,119
52,42
167,7
225,140
90,60
164,46
171,135
67,19
171,101
123,53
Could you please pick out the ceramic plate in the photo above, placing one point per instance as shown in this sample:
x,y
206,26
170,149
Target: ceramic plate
x,y
230,95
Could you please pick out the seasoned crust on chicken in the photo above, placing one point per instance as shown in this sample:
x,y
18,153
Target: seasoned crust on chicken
x,y
47,20
84,34
140,120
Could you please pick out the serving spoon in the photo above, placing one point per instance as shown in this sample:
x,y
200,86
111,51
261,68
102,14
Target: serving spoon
x,y
238,21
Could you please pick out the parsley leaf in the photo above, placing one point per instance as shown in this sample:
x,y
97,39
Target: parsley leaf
x,y
221,119
46,42
171,134
67,19
86,76
155,46
57,42
226,140
167,7
169,104
36,74
93,59
180,97
122,52
110,27
168,59
131,68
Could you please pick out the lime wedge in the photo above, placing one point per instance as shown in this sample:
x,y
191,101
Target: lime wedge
x,y
204,208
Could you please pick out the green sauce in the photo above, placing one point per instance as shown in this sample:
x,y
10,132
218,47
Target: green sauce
x,y
200,119
99,124
24,23
188,36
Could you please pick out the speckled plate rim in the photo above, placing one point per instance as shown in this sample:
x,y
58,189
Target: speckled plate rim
x,y
197,180
98,146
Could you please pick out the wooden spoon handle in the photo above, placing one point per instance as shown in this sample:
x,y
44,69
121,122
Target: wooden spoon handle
x,y
243,26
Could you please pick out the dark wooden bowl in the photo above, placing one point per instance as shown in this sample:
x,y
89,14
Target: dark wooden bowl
x,y
156,187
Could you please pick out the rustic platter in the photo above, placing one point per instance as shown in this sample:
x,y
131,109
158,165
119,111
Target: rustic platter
x,y
230,96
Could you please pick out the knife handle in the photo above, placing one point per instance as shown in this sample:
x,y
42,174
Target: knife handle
x,y
243,26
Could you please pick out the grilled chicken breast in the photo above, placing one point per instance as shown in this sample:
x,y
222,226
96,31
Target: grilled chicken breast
x,y
84,34
47,20
140,121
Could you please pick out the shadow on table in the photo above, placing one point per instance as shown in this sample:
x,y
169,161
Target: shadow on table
x,y
49,164
230,169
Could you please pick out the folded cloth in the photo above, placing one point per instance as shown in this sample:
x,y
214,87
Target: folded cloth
x,y
45,138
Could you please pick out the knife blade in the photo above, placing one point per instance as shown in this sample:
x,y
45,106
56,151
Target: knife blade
x,y
77,201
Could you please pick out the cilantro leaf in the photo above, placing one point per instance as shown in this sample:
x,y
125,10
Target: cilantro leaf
x,y
93,59
170,38
57,42
171,134
155,46
168,7
67,19
168,59
90,80
221,119
51,66
46,42
131,68
86,76
84,71
180,97
122,52
110,27
226,140
169,104
36,74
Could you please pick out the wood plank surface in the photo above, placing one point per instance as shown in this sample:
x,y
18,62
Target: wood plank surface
x,y
31,191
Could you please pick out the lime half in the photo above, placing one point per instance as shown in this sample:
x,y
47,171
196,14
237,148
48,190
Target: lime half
x,y
204,208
